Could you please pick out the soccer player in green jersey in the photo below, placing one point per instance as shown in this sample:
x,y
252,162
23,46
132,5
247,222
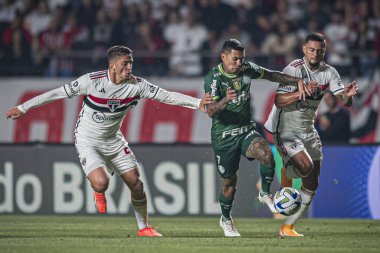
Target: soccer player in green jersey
x,y
233,133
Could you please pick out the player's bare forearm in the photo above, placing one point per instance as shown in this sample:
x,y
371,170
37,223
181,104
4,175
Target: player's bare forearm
x,y
350,90
216,107
283,100
346,100
220,105
279,77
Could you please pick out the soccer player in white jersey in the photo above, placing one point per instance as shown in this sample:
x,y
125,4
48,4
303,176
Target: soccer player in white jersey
x,y
101,147
291,121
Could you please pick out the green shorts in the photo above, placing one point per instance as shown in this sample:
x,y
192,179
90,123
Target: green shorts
x,y
227,151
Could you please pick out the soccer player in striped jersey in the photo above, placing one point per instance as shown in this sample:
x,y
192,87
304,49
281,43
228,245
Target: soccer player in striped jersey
x,y
291,121
101,147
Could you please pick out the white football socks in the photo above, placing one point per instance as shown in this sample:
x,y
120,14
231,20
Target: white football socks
x,y
140,207
306,196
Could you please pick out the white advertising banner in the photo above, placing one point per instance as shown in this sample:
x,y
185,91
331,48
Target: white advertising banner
x,y
178,180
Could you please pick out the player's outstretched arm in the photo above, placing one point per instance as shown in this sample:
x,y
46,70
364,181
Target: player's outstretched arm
x,y
14,113
285,99
215,107
276,76
175,98
350,90
45,98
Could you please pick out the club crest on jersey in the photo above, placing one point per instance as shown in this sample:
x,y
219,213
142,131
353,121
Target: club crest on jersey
x,y
113,104
236,84
246,79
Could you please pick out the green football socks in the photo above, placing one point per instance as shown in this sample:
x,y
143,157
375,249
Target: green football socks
x,y
267,175
225,205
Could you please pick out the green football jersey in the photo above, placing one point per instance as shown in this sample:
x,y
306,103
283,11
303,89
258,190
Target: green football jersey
x,y
238,112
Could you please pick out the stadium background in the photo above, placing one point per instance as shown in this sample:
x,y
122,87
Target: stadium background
x,y
45,44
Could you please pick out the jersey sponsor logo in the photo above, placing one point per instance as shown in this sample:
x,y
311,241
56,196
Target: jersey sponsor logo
x,y
246,79
102,90
213,88
100,117
243,97
236,131
113,104
250,134
303,106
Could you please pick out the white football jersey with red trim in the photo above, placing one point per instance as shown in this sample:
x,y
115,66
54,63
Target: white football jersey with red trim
x,y
299,116
105,103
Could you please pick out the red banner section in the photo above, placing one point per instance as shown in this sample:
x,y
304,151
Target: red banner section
x,y
154,122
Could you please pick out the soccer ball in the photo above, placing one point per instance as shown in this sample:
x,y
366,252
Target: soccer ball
x,y
287,201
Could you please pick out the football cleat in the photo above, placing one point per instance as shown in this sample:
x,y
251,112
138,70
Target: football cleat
x,y
267,199
148,232
228,227
100,202
285,181
288,230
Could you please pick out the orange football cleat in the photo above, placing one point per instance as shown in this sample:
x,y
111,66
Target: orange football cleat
x,y
288,230
148,232
100,202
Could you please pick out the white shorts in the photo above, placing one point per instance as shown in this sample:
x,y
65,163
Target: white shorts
x,y
289,144
115,159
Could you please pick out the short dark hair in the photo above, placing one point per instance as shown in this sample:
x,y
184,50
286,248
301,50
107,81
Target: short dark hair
x,y
117,51
232,44
316,37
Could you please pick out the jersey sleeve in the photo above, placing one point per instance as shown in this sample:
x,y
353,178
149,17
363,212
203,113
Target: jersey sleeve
x,y
74,88
212,86
336,85
284,88
45,98
78,86
255,71
148,90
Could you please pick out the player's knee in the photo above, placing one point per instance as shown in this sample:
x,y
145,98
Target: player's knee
x,y
137,186
229,192
100,184
304,169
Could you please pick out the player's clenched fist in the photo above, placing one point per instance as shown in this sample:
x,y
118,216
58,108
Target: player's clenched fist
x,y
230,94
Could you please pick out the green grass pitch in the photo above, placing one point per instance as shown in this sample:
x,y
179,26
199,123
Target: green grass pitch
x,y
112,234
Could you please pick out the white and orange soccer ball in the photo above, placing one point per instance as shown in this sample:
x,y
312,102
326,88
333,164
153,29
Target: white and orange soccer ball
x,y
287,201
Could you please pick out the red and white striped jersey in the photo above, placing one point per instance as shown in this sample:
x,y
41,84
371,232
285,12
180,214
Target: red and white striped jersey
x,y
299,116
105,103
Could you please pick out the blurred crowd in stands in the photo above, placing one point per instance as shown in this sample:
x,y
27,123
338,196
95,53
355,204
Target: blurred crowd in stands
x,y
182,37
